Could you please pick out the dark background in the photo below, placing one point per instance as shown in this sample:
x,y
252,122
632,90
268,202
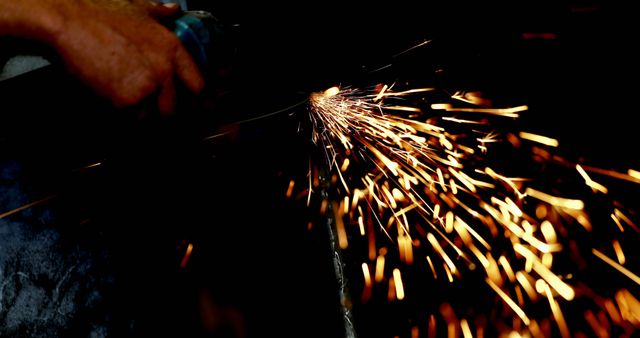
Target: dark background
x,y
160,186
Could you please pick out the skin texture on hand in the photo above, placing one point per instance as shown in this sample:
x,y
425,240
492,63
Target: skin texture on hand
x,y
116,47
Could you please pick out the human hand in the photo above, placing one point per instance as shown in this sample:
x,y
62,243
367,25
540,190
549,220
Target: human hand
x,y
119,50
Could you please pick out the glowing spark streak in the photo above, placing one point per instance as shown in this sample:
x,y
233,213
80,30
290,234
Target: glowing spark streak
x,y
507,207
342,233
506,112
403,108
528,237
448,221
507,268
557,313
492,271
345,205
487,139
634,173
612,310
466,330
623,217
380,94
432,326
504,179
509,302
403,223
290,188
372,188
547,259
433,269
513,207
424,43
453,119
361,225
93,165
526,285
495,214
323,206
461,96
310,190
548,232
449,241
410,91
26,206
557,201
611,173
333,91
391,292
473,233
483,260
381,68
588,181
406,209
344,183
446,143
385,160
535,330
398,281
440,106
426,128
345,165
441,252
519,296
441,180
187,254
543,247
463,180
597,328
372,245
448,272
391,201
397,195
436,212
366,293
616,266
581,217
468,209
554,281
548,141
379,223
479,331
619,253
355,198
379,269
617,222
407,250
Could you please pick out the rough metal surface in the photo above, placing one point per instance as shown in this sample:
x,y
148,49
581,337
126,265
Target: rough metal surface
x,y
48,288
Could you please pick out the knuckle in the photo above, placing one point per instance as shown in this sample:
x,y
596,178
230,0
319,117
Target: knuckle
x,y
134,89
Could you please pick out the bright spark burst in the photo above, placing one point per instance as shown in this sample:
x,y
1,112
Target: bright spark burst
x,y
412,182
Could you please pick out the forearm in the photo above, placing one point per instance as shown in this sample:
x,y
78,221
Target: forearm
x,y
38,20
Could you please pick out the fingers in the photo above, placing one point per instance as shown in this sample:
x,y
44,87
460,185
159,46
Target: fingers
x,y
131,56
159,10
138,87
187,70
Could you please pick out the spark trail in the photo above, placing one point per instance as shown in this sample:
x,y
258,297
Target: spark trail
x,y
446,189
